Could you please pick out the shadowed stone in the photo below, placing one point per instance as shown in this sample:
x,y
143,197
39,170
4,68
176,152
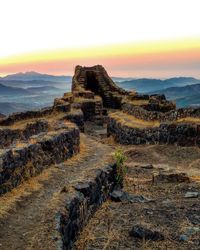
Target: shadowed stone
x,y
141,232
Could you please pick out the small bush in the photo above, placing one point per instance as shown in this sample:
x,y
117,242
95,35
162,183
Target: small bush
x,y
120,159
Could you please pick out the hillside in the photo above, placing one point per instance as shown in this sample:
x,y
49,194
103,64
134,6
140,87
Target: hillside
x,y
29,76
149,85
100,168
1,115
33,83
42,89
188,95
4,90
12,107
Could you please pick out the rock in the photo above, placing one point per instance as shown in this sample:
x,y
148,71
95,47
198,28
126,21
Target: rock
x,y
189,232
194,216
138,198
183,237
171,178
192,230
147,166
119,195
84,188
141,232
166,202
191,195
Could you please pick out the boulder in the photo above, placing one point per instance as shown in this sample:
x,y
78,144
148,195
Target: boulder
x,y
142,232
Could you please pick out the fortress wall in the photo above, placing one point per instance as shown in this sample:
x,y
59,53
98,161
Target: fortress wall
x,y
82,204
175,133
173,115
21,163
11,119
76,116
10,136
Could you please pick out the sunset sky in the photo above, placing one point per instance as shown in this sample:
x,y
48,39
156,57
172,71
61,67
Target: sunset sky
x,y
138,38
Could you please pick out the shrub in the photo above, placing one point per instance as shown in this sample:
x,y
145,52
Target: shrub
x,y
120,159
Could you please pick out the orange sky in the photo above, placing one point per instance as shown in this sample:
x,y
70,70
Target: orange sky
x,y
153,59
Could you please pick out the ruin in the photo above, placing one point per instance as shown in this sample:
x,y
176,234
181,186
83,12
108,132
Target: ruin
x,y
78,166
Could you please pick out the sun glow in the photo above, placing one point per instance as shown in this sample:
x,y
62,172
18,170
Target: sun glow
x,y
54,36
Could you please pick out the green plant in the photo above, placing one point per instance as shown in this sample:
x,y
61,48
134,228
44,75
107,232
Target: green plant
x,y
120,159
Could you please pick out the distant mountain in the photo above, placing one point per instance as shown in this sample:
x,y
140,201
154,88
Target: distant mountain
x,y
188,95
2,116
33,83
42,89
121,79
11,107
177,92
4,90
145,85
30,76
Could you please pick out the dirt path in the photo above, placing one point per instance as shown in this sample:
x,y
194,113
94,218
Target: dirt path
x,y
27,214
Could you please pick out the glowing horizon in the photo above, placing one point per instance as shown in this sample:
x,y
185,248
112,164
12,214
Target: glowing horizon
x,y
155,59
136,38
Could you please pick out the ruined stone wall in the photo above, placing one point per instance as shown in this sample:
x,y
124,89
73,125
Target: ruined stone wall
x,y
95,80
10,136
175,133
76,116
11,119
173,115
65,107
20,163
82,204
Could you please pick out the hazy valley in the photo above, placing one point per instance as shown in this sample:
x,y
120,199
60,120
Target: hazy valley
x,y
31,90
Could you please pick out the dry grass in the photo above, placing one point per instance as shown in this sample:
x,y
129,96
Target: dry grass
x,y
82,99
131,121
9,200
22,124
189,120
139,102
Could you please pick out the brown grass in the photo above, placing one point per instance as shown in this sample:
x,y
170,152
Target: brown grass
x,y
139,102
189,119
50,118
131,121
9,200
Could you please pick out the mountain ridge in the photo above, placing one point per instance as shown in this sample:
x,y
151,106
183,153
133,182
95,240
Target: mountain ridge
x,y
147,85
32,75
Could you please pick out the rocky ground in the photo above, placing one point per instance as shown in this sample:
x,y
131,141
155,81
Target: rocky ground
x,y
27,213
155,197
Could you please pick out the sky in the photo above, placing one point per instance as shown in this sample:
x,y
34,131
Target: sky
x,y
137,38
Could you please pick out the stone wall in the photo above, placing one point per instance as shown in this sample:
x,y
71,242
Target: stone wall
x,y
173,115
11,119
9,136
76,116
65,107
89,107
20,163
176,133
83,203
155,102
95,80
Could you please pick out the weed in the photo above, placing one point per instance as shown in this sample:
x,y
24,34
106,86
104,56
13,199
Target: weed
x,y
120,159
